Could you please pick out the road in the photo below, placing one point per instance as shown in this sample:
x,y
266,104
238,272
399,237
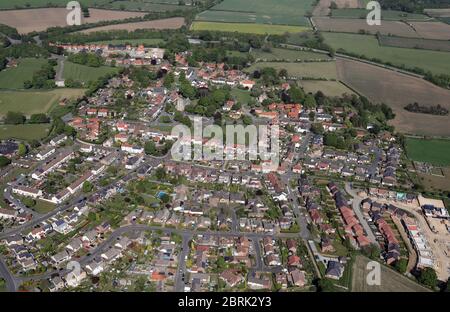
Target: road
x,y
11,284
357,209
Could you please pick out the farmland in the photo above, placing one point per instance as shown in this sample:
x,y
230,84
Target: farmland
x,y
415,43
385,15
40,19
355,25
366,45
24,132
247,28
436,152
281,12
391,281
13,78
288,55
85,73
433,30
167,23
398,90
323,6
321,70
329,88
34,102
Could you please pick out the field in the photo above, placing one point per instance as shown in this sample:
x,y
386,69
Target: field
x,y
398,90
434,61
280,12
391,281
415,43
288,55
145,5
385,15
436,152
438,12
323,6
242,96
247,28
355,25
34,102
433,30
134,42
433,182
321,70
24,132
330,88
8,4
85,73
40,19
13,78
168,23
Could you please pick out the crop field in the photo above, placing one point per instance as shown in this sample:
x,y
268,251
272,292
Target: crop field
x,y
352,25
323,6
436,152
434,61
8,4
398,90
288,55
415,43
13,78
385,15
329,88
319,70
280,12
167,23
248,28
25,132
148,6
85,73
432,30
391,281
438,12
40,19
34,102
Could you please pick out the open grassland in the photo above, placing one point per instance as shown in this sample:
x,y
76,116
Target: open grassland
x,y
280,12
167,23
323,6
385,15
248,28
133,42
391,281
40,19
288,55
350,25
34,102
368,46
85,73
436,152
24,132
320,70
415,43
432,30
13,78
398,90
329,88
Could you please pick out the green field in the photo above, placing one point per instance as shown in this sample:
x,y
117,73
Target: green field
x,y
85,73
24,132
133,42
13,78
385,15
368,46
288,55
280,12
242,96
34,102
329,88
146,6
320,70
260,29
415,43
8,4
436,152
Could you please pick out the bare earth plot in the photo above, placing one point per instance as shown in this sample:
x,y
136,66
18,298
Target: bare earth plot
x,y
323,7
398,90
168,23
352,25
329,88
40,19
432,30
391,281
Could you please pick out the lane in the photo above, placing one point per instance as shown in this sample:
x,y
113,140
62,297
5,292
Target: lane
x,y
11,284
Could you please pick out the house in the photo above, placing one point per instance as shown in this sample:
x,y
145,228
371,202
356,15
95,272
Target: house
x,y
60,257
56,284
46,153
297,278
7,214
74,245
111,255
27,191
231,278
74,278
248,84
335,270
95,267
58,140
123,243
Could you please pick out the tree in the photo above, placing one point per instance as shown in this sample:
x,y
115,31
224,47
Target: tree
x,y
39,119
14,118
160,174
401,265
310,102
150,148
325,285
87,187
22,151
317,128
428,277
4,161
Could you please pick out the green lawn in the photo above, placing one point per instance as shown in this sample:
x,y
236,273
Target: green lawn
x,y
24,132
43,207
434,61
385,15
330,88
436,152
288,55
34,102
247,28
326,70
242,96
13,78
85,73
